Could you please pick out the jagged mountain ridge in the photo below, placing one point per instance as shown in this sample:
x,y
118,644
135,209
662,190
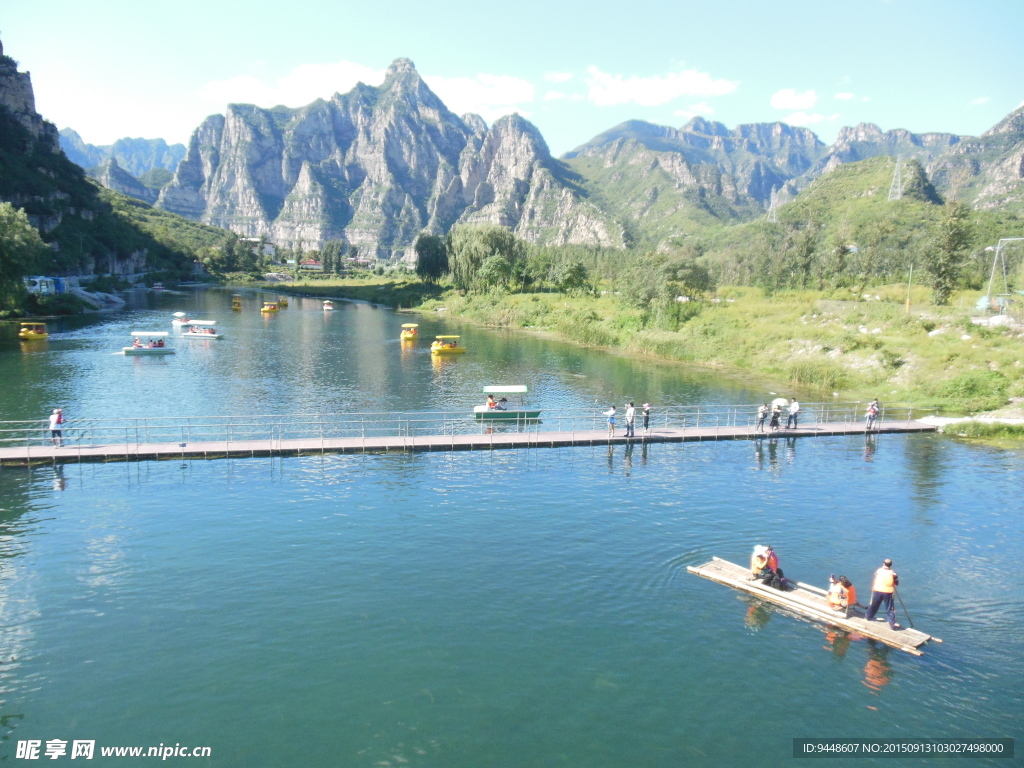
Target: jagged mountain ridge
x,y
375,167
86,230
135,156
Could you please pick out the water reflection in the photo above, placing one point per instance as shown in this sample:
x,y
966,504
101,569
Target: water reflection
x,y
870,446
757,617
877,669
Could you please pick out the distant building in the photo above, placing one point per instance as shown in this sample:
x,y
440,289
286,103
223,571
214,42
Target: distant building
x,y
310,264
45,286
269,249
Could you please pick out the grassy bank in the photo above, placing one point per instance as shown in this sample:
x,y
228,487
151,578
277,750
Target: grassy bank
x,y
398,293
823,341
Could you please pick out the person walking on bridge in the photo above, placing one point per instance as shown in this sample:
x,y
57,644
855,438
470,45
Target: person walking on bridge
x,y
762,414
794,412
885,583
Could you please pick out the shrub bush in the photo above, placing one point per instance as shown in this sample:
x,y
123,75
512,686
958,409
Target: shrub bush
x,y
975,390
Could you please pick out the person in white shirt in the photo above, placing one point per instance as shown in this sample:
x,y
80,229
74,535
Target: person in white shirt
x,y
610,413
630,419
794,411
56,419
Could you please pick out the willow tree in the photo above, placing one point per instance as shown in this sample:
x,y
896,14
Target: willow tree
x,y
469,246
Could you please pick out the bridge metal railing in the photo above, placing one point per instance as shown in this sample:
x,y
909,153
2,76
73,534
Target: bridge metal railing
x,y
275,429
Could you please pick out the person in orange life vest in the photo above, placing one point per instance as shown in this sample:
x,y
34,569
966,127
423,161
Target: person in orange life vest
x,y
884,585
490,402
841,594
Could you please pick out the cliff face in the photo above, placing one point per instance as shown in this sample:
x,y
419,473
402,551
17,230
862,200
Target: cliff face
x,y
112,176
375,167
17,96
987,171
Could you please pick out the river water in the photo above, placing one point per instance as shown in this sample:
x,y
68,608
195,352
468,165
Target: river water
x,y
511,608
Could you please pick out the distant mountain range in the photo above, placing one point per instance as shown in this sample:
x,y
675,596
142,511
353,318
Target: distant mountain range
x,y
136,156
378,165
89,229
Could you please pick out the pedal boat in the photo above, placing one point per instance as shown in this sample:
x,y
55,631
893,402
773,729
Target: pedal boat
x,y
501,412
269,306
201,329
148,343
446,345
409,332
33,331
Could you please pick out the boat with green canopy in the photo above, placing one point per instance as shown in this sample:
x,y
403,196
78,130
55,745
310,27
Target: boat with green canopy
x,y
497,408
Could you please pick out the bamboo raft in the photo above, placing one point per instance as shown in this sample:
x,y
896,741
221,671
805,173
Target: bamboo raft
x,y
809,601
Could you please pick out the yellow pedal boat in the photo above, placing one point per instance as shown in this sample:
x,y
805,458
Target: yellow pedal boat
x,y
409,332
32,331
446,345
270,306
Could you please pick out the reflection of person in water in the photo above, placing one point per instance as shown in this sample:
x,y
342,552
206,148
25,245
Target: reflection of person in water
x,y
869,447
877,671
838,642
757,616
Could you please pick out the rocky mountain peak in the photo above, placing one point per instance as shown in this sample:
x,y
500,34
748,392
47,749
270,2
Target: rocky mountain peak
x,y
1012,123
17,96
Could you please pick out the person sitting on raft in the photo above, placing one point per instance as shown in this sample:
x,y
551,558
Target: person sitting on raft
x,y
764,567
841,594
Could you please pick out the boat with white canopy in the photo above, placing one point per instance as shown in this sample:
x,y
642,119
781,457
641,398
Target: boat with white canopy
x,y
497,407
148,343
201,329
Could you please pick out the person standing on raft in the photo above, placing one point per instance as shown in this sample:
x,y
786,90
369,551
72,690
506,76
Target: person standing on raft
x,y
885,583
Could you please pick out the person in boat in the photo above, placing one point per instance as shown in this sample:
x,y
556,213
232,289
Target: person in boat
x,y
841,594
492,403
502,404
764,567
758,562
136,343
882,589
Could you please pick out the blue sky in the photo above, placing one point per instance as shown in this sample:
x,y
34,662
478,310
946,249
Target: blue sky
x,y
112,68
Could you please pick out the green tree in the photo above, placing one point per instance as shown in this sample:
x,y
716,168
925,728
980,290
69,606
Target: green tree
x,y
949,250
469,246
494,272
572,277
431,257
331,256
21,251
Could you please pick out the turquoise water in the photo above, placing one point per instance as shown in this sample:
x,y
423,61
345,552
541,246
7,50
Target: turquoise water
x,y
509,608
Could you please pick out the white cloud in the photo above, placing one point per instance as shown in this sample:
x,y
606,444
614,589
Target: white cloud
x,y
979,101
865,98
607,90
788,98
299,87
489,96
843,96
695,110
558,77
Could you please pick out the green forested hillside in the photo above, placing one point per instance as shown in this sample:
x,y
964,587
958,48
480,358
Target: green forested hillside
x,y
844,230
87,228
